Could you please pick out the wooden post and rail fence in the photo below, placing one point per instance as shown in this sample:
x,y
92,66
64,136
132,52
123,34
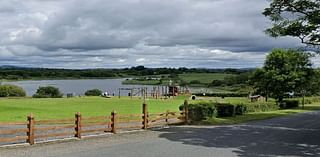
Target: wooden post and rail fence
x,y
79,126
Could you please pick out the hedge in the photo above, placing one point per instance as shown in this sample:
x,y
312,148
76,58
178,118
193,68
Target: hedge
x,y
204,110
200,111
261,106
222,94
309,100
287,104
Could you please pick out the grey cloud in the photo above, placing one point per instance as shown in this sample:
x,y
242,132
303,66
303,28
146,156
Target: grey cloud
x,y
99,33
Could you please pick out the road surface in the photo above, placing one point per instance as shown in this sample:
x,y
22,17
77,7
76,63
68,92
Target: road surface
x,y
297,135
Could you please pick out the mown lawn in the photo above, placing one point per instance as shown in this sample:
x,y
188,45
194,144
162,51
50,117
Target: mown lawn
x,y
17,109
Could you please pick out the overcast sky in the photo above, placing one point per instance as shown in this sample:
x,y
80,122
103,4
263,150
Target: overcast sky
x,y
125,33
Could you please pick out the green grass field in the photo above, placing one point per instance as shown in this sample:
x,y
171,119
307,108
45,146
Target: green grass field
x,y
204,78
16,109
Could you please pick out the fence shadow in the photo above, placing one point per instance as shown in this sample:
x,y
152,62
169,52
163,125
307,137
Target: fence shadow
x,y
255,139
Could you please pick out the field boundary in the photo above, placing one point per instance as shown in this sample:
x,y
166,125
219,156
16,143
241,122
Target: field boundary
x,y
33,130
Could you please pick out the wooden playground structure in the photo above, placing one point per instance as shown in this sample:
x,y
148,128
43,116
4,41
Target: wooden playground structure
x,y
156,92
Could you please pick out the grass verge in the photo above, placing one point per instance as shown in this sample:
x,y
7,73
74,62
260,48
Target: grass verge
x,y
258,116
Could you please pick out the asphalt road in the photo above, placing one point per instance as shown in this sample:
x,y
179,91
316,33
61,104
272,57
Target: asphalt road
x,y
297,135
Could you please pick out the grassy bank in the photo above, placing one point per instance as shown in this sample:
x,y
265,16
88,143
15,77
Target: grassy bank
x,y
17,109
203,78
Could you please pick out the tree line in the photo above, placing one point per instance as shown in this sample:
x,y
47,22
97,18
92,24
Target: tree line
x,y
18,73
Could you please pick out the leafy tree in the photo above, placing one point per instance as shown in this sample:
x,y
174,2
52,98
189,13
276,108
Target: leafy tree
x,y
93,92
260,82
11,91
297,18
284,71
48,92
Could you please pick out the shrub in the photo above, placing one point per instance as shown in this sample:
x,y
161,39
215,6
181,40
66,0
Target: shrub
x,y
200,111
234,94
287,104
310,100
225,110
261,106
48,92
240,109
93,92
203,110
11,91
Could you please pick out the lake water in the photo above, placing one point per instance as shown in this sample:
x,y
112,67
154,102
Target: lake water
x,y
77,87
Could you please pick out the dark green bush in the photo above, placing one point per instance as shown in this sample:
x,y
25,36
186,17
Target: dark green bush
x,y
240,109
200,111
203,110
235,94
93,92
225,110
307,101
48,92
287,104
11,91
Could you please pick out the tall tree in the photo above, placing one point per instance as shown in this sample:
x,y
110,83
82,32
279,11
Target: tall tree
x,y
297,18
284,71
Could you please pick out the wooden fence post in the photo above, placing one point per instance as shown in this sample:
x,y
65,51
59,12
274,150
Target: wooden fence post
x,y
145,115
186,111
78,124
167,118
113,122
30,132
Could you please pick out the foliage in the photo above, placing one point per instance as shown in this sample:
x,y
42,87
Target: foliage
x,y
11,91
287,104
284,71
15,73
93,92
230,94
48,92
201,110
297,18
254,116
225,110
260,106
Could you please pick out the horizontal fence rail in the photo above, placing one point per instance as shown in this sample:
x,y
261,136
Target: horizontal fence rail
x,y
42,130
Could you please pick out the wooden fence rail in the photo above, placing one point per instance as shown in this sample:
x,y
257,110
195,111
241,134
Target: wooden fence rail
x,y
33,129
